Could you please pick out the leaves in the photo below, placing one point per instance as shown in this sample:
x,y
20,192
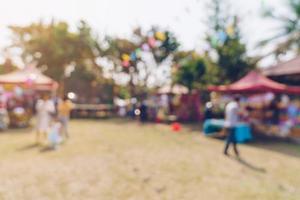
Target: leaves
x,y
231,59
192,72
141,55
55,46
288,35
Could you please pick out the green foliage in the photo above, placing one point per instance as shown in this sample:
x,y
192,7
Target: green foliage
x,y
192,71
225,41
124,93
7,67
53,46
140,70
230,61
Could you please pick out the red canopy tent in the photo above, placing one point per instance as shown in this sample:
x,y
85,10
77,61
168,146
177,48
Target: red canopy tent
x,y
255,82
29,77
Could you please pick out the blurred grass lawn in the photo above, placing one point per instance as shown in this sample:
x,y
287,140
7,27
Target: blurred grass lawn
x,y
123,160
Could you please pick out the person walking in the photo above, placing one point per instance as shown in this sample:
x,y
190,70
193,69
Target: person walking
x,y
64,110
231,120
44,110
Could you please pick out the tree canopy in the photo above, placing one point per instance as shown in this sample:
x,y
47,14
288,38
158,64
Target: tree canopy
x,y
53,46
144,57
78,58
225,41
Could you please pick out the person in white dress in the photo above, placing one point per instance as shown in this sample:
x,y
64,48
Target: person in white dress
x,y
44,110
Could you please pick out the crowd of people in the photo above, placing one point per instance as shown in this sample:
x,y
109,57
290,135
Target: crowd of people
x,y
161,108
18,106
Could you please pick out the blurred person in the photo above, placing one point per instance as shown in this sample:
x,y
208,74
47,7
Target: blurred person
x,y
44,111
64,110
55,133
143,112
274,108
231,121
208,113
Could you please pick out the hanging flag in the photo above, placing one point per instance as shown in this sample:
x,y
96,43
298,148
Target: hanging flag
x,y
138,53
222,36
230,30
125,57
133,56
125,63
152,42
160,36
214,41
145,47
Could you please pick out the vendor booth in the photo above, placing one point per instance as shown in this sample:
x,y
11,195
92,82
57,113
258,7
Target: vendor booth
x,y
28,78
269,108
176,103
255,83
20,88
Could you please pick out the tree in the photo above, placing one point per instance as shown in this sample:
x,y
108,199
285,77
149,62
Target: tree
x,y
142,57
54,48
224,38
288,34
192,70
7,66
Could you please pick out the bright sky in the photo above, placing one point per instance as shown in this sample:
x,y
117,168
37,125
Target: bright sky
x,y
185,17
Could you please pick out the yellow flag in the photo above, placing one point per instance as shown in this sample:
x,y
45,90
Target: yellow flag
x,y
160,36
125,57
230,30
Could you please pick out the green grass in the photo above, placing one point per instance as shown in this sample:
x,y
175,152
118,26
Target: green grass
x,y
115,159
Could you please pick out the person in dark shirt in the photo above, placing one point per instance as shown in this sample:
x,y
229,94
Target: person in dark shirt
x,y
143,112
275,109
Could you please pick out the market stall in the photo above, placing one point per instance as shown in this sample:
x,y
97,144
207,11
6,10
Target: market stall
x,y
254,83
176,103
266,104
28,78
21,87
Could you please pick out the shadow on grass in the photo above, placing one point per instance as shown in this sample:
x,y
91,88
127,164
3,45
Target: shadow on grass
x,y
249,165
28,147
36,146
275,144
287,148
47,149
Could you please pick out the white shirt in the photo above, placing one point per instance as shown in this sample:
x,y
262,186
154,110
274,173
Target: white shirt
x,y
44,110
231,114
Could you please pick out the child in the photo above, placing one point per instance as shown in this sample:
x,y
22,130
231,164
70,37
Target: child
x,y
55,134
